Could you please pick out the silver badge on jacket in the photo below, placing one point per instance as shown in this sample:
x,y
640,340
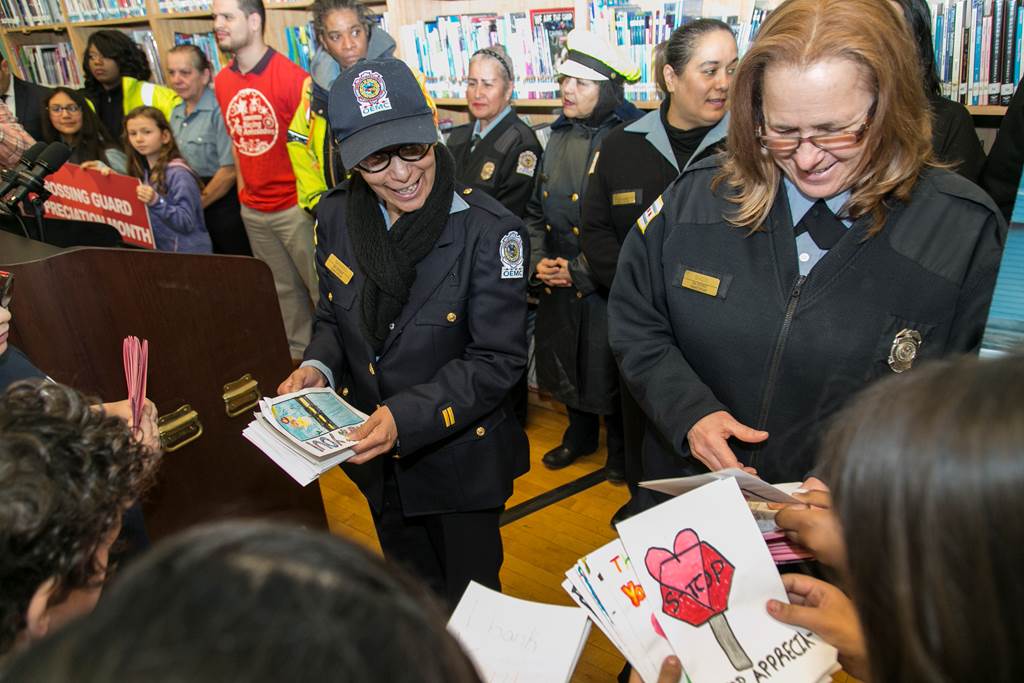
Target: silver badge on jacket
x,y
904,350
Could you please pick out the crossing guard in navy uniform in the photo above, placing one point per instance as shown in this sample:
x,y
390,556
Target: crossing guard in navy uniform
x,y
443,367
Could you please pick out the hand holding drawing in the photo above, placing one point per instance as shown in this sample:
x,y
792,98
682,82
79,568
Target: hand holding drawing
x,y
814,526
671,672
824,609
96,165
303,378
708,439
376,436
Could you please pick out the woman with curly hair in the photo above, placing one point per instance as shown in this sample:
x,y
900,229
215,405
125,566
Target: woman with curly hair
x,y
70,119
68,471
116,79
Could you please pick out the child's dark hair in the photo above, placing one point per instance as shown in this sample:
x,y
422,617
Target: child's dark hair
x,y
138,165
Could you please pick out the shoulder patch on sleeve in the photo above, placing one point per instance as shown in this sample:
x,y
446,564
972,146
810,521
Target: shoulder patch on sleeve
x,y
510,251
649,215
593,163
527,163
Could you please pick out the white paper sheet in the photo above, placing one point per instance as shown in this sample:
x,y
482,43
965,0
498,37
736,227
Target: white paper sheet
x,y
708,574
753,487
296,468
518,641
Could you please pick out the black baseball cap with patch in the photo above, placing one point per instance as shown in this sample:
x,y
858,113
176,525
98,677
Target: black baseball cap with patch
x,y
377,103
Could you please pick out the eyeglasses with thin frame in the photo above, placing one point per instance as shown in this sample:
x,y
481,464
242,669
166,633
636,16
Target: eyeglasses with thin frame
x,y
6,288
830,142
378,161
61,108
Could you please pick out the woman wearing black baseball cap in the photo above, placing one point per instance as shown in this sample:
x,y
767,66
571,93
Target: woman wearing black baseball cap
x,y
421,324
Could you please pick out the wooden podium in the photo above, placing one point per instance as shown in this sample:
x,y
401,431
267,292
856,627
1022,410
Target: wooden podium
x,y
215,336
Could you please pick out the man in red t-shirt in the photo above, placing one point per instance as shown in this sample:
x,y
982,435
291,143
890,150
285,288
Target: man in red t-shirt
x,y
258,93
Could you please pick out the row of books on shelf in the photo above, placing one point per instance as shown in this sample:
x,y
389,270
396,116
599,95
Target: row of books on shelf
x,y
49,65
301,44
16,13
978,49
441,47
206,42
94,10
175,6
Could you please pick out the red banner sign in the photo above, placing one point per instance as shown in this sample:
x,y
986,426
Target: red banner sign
x,y
87,195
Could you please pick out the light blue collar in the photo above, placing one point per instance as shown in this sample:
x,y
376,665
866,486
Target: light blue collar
x,y
490,126
651,127
800,204
458,204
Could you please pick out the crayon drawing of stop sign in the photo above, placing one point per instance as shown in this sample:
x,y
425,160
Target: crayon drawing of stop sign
x,y
707,567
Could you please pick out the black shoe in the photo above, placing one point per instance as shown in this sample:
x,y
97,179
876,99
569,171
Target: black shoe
x,y
615,473
622,514
559,457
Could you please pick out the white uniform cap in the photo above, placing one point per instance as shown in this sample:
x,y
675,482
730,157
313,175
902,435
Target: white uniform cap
x,y
592,58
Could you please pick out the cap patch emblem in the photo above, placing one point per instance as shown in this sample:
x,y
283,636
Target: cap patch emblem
x,y
511,253
371,93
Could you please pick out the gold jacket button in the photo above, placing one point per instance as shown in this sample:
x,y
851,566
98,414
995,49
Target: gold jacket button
x,y
330,296
467,190
574,197
451,317
547,290
545,194
344,391
575,231
579,295
372,371
548,227
480,431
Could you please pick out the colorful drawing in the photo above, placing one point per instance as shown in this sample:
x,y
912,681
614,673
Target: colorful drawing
x,y
695,581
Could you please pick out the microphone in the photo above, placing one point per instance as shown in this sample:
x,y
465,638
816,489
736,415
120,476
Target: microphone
x,y
28,159
52,158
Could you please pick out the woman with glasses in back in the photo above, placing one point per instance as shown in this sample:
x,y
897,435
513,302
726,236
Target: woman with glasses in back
x,y
422,325
822,251
68,118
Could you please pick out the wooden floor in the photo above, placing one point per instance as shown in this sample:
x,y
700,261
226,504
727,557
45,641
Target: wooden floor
x,y
539,547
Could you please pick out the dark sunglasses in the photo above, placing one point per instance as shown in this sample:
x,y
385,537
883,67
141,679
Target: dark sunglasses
x,y
378,161
6,288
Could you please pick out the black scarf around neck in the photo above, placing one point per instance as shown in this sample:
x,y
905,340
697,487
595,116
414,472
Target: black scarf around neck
x,y
388,258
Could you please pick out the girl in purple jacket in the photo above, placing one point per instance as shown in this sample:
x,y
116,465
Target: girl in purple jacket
x,y
169,187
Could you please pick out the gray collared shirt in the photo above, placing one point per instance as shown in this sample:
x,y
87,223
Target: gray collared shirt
x,y
202,137
807,252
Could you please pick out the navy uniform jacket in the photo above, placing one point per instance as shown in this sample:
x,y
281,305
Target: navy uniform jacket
x,y
706,316
503,164
448,364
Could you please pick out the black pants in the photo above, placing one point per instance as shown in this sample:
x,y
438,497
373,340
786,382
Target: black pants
x,y
446,550
583,433
633,422
224,223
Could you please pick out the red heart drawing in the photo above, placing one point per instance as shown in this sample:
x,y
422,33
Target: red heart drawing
x,y
695,579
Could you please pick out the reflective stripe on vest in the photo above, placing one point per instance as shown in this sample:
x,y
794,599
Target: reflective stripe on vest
x,y
148,89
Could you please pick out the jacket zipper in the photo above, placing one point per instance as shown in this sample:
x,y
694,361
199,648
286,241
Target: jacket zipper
x,y
773,369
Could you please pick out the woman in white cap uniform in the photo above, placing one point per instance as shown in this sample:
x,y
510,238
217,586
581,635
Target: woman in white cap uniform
x,y
421,324
574,363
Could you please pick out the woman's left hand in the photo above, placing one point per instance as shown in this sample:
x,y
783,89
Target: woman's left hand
x,y
563,278
146,194
376,436
96,165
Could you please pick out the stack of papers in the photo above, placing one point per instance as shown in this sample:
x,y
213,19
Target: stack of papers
x,y
758,494
692,577
306,432
135,354
510,639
